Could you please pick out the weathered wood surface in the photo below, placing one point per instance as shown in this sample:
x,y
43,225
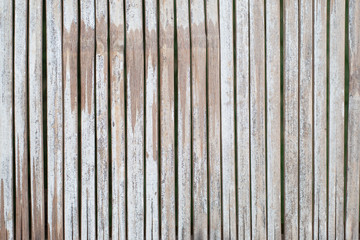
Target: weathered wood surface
x,y
87,102
336,97
273,119
7,214
71,117
21,120
291,116
320,120
353,157
227,119
135,119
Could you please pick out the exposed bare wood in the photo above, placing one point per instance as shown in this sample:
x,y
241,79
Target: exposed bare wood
x,y
21,121
152,123
353,157
71,152
336,119
135,119
214,118
87,72
184,119
273,121
227,119
320,125
36,120
118,131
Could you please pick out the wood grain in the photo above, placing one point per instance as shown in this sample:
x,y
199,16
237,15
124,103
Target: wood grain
x,y
21,120
352,193
87,73
227,119
320,124
70,91
273,119
336,119
36,120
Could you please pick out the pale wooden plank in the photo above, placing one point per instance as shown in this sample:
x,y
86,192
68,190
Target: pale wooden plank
x,y
87,72
167,128
273,120
135,119
336,119
6,115
199,134
21,121
36,120
227,119
184,119
71,152
257,119
118,131
102,120
320,125
54,119
305,119
151,107
291,126
353,157
214,118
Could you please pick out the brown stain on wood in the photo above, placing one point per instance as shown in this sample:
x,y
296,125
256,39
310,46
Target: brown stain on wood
x,y
3,230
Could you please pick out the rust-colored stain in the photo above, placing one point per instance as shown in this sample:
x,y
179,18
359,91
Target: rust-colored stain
x,y
3,230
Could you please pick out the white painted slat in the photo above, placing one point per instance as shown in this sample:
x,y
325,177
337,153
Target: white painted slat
x,y
291,115
320,125
214,118
6,115
273,120
102,120
184,119
227,119
71,148
257,119
54,119
353,157
336,119
151,105
36,120
167,125
21,120
118,131
87,72
199,124
135,119
305,119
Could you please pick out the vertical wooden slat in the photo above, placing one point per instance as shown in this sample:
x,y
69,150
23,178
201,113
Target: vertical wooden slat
x,y
257,119
54,119
21,120
273,121
102,128
320,125
291,126
167,119
71,152
352,193
118,131
227,119
87,72
36,120
198,83
6,116
305,119
184,119
214,140
336,119
135,119
152,153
